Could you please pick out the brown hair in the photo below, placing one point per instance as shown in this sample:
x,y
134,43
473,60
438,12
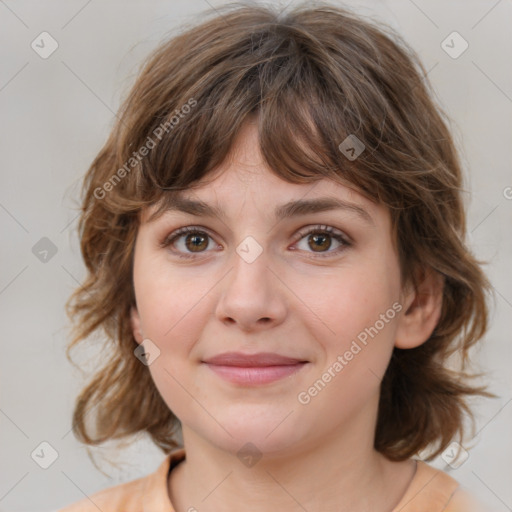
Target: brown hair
x,y
312,76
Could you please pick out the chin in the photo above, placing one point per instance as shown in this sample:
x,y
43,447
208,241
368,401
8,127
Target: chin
x,y
264,435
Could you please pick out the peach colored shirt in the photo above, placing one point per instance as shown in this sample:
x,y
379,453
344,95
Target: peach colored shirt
x,y
430,490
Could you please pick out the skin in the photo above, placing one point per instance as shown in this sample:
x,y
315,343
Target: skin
x,y
291,300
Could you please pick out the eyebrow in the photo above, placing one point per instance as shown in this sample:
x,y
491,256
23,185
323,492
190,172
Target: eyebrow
x,y
287,210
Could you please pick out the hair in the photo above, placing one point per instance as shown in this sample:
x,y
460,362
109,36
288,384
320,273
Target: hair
x,y
311,77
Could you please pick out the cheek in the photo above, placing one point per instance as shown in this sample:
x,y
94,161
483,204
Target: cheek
x,y
172,313
355,318
345,302
167,300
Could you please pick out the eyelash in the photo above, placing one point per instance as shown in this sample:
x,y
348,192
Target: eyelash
x,y
319,229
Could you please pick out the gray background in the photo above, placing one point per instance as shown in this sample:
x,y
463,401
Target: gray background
x,y
55,115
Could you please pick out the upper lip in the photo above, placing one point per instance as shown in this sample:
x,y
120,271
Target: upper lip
x,y
247,360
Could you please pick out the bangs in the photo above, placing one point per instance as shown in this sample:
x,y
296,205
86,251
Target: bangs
x,y
293,137
303,110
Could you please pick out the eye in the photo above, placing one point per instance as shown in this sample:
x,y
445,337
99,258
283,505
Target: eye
x,y
187,241
319,240
192,240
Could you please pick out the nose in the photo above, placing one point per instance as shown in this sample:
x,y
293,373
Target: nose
x,y
252,296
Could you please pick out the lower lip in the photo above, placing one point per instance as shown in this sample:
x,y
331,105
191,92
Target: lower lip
x,y
253,376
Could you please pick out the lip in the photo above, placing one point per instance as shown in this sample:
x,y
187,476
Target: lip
x,y
252,360
253,369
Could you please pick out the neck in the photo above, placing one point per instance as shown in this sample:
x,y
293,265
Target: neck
x,y
340,471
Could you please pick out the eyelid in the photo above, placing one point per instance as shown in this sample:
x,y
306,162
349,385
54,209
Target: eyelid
x,y
177,233
324,228
335,233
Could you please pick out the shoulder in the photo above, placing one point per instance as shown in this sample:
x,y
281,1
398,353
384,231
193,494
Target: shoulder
x,y
127,497
463,501
133,496
433,490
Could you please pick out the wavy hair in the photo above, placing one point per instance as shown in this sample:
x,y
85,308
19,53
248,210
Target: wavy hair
x,y
312,77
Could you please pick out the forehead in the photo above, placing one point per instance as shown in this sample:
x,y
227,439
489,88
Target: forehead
x,y
244,179
267,196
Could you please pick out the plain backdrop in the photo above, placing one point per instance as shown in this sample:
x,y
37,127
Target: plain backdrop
x,y
56,113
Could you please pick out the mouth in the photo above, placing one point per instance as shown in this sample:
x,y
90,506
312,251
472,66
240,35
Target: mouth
x,y
255,369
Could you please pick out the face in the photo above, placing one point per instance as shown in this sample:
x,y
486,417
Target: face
x,y
320,288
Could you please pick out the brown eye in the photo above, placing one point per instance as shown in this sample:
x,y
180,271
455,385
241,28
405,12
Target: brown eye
x,y
196,242
319,241
186,241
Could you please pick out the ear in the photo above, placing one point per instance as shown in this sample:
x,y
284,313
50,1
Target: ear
x,y
136,325
422,306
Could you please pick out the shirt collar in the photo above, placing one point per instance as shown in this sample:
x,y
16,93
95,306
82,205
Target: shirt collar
x,y
156,495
